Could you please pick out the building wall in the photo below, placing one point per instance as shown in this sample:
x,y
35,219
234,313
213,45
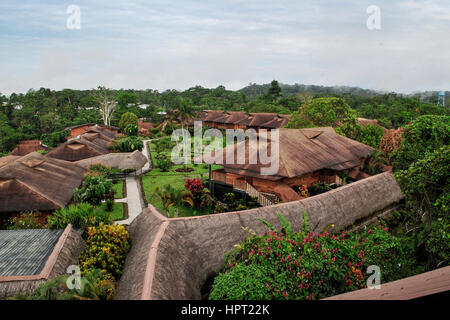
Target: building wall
x,y
77,131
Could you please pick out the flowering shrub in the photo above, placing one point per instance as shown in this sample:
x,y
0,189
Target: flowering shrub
x,y
25,220
106,249
194,185
306,265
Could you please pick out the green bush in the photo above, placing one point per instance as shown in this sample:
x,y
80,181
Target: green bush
x,y
318,188
95,188
26,220
426,185
128,118
82,215
303,265
421,137
92,287
106,249
130,144
131,130
163,162
371,135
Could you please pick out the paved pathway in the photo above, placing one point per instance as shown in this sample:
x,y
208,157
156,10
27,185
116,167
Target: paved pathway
x,y
134,198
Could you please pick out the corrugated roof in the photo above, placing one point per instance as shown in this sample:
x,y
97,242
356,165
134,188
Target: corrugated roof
x,y
25,252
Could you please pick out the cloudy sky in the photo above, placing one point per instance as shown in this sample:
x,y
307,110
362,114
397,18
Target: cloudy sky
x,y
163,44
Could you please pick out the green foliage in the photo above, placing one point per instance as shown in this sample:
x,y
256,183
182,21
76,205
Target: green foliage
x,y
421,137
81,215
163,162
130,144
92,287
26,220
95,188
131,130
128,118
318,188
288,265
100,169
426,184
371,135
106,249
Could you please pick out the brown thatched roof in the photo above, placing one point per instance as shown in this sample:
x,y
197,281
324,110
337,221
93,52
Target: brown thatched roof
x,y
91,125
28,146
35,182
364,122
301,151
277,122
87,145
134,160
5,160
235,116
212,115
172,258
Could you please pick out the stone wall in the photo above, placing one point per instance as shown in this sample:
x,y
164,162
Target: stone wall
x,y
171,258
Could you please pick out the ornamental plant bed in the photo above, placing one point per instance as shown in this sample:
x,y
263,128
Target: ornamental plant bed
x,y
306,265
188,169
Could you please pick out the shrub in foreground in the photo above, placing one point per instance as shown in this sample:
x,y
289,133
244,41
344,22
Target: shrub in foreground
x,y
82,215
106,249
306,265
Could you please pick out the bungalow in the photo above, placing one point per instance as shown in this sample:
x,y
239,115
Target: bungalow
x,y
82,128
240,120
93,142
35,182
306,156
28,146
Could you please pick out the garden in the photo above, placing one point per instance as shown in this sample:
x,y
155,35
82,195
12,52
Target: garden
x,y
288,264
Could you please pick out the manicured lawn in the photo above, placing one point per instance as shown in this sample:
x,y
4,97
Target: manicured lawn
x,y
157,178
118,190
117,213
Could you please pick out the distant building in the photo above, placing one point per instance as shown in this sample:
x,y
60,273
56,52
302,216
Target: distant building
x,y
441,98
28,146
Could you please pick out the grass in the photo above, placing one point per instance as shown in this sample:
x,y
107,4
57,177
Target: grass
x,y
118,190
157,178
117,213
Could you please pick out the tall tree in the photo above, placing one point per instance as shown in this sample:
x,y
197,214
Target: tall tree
x,y
106,103
274,92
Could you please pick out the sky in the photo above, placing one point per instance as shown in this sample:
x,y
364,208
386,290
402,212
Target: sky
x,y
165,44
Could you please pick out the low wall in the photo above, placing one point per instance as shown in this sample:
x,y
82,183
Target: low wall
x,y
171,258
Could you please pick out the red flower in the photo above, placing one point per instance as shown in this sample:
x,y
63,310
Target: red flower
x,y
308,274
370,231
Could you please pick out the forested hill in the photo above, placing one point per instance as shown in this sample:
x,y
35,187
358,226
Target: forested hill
x,y
253,90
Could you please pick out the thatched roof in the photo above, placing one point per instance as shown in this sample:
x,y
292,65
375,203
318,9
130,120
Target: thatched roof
x,y
7,159
35,182
258,120
172,258
364,122
301,151
91,125
90,144
28,146
134,160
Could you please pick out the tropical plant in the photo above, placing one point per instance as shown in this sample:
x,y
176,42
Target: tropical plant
x,y
95,188
127,119
81,215
25,220
131,130
106,249
130,144
304,265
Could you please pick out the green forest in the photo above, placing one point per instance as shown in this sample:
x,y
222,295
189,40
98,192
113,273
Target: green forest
x,y
44,113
